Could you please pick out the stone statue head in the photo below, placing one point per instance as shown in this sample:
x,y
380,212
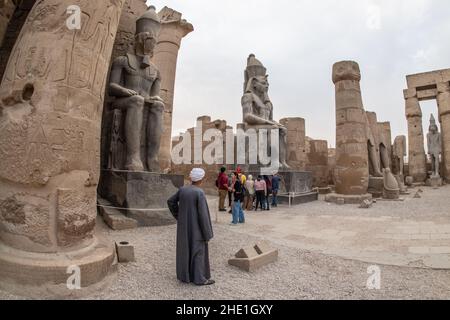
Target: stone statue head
x,y
148,27
258,85
256,78
433,126
346,70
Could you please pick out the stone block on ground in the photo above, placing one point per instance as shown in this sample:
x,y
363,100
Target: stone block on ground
x,y
409,181
434,182
247,253
115,219
252,258
125,252
366,204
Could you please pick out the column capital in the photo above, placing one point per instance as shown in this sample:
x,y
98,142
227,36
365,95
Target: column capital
x,y
174,28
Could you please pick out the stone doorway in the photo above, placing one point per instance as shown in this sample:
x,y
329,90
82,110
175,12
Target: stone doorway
x,y
434,85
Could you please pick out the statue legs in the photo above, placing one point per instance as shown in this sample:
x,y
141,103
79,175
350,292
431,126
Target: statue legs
x,y
283,148
384,158
154,132
134,107
435,165
373,158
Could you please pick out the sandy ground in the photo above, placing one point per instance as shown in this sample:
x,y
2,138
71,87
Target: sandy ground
x,y
299,274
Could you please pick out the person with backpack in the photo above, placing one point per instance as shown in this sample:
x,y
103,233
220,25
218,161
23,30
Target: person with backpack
x,y
238,212
275,189
231,181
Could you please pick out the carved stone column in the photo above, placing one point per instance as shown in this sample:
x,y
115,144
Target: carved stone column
x,y
53,92
352,169
417,159
174,29
443,99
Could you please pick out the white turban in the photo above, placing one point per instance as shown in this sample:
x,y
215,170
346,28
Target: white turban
x,y
197,174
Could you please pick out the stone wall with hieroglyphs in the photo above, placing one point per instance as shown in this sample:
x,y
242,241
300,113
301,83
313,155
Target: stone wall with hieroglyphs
x,y
52,95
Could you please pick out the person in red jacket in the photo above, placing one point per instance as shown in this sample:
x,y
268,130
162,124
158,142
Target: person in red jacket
x,y
222,186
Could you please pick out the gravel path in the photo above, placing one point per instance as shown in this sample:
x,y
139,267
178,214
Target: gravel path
x,y
298,274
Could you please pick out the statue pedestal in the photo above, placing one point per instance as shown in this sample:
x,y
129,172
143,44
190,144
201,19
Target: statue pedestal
x,y
296,188
434,182
376,186
141,196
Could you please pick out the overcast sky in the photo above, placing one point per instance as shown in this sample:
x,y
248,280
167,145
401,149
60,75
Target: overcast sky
x,y
298,41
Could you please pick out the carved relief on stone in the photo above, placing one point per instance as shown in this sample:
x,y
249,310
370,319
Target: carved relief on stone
x,y
51,96
117,143
76,216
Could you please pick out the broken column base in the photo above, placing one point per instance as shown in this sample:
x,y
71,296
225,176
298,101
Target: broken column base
x,y
347,199
45,275
434,182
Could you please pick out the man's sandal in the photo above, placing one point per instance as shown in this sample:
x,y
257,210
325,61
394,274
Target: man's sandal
x,y
208,283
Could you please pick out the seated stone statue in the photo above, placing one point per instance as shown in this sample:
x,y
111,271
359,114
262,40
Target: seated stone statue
x,y
257,107
135,82
434,146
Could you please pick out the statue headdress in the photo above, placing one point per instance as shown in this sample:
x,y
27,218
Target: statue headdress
x,y
149,22
254,69
433,122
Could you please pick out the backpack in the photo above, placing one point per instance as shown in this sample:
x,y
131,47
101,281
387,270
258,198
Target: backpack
x,y
269,186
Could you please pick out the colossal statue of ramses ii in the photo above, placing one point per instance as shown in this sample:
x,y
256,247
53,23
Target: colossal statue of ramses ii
x,y
135,83
256,105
